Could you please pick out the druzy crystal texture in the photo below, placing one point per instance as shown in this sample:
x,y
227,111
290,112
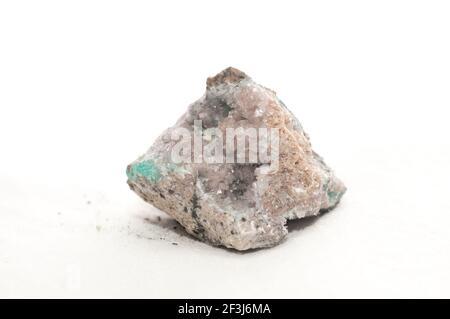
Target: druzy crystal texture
x,y
229,202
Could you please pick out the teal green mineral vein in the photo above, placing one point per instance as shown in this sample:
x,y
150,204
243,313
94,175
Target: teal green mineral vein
x,y
333,197
147,169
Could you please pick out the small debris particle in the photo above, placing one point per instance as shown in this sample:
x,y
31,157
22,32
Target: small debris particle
x,y
159,218
175,244
98,227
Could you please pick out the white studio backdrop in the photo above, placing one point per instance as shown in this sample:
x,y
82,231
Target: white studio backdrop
x,y
86,86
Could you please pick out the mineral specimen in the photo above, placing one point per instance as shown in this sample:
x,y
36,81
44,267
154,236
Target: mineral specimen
x,y
212,170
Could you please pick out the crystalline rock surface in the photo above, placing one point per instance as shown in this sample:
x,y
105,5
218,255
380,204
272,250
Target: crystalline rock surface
x,y
237,205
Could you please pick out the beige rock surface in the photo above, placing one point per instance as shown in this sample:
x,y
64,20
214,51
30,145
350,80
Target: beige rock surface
x,y
237,205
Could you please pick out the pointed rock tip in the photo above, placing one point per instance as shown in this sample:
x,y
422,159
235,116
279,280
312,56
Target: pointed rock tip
x,y
229,75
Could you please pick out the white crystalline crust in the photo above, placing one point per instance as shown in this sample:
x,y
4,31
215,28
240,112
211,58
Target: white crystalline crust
x,y
238,206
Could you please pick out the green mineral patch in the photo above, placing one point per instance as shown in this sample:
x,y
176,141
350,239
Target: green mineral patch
x,y
147,169
333,197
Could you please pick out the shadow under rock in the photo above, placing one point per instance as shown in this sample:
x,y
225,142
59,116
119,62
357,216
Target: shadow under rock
x,y
171,224
300,224
292,226
168,223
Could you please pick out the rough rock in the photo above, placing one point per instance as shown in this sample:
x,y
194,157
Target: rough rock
x,y
239,205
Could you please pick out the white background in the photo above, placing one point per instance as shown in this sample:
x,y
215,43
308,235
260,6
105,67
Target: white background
x,y
86,86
